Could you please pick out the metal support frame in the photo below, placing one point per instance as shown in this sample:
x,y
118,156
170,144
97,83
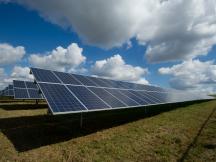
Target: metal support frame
x,y
81,120
36,101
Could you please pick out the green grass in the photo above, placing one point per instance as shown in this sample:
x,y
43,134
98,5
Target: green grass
x,y
186,132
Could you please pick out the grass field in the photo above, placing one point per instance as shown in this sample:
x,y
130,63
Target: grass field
x,y
185,132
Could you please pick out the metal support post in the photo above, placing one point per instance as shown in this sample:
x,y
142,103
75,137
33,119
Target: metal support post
x,y
81,120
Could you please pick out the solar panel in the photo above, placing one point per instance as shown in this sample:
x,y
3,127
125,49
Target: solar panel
x,y
89,99
107,97
11,92
31,85
20,93
8,91
125,99
26,90
72,93
34,94
149,96
67,78
84,80
60,99
134,97
19,84
99,82
162,97
44,75
144,97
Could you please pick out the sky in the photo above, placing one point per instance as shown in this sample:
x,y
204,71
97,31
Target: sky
x,y
168,43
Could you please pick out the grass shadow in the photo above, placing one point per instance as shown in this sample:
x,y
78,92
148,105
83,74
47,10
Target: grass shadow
x,y
25,106
209,146
27,133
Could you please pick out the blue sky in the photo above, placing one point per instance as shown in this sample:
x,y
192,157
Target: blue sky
x,y
39,31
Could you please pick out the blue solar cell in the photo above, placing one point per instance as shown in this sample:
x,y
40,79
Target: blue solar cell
x,y
44,75
31,85
130,85
89,99
121,97
99,82
11,92
10,87
84,80
134,97
67,78
162,97
114,84
20,93
150,96
60,99
107,97
34,94
150,88
122,85
19,84
144,97
109,83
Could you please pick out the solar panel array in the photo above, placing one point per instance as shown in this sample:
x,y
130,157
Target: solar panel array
x,y
72,93
8,91
26,90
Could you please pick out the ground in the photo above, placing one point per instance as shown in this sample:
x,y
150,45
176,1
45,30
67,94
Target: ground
x,y
183,132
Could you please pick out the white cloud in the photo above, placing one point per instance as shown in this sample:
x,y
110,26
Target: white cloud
x,y
116,68
172,29
2,76
21,72
10,54
192,74
61,59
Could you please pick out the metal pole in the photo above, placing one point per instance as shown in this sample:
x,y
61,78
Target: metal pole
x,y
81,120
36,102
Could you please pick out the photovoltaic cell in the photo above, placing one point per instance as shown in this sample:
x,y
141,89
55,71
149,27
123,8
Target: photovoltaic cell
x,y
160,96
134,97
99,82
109,83
121,97
107,97
144,97
10,87
11,92
84,80
19,84
60,99
20,93
29,88
89,99
31,85
34,94
150,96
42,75
67,78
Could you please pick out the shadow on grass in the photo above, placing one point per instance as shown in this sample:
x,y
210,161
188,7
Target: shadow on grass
x,y
25,106
209,146
27,133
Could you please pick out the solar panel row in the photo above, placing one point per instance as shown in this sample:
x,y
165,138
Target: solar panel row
x,y
26,90
8,91
48,76
71,93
